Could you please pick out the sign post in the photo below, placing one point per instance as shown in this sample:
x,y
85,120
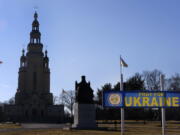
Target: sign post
x,y
122,64
163,121
122,108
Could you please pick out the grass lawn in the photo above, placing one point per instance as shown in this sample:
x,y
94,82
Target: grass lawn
x,y
59,132
131,128
9,125
149,128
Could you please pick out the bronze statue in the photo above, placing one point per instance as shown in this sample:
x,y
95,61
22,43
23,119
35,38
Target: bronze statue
x,y
84,92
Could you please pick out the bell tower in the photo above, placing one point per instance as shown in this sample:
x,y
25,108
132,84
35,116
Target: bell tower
x,y
34,73
35,35
33,100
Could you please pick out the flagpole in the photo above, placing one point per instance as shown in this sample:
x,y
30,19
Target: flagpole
x,y
121,89
163,119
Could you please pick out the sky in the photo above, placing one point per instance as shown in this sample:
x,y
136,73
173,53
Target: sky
x,y
87,37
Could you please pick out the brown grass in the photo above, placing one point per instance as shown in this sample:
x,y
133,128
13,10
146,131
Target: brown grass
x,y
9,126
59,132
131,128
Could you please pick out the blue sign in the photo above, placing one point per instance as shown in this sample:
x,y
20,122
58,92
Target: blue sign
x,y
138,99
113,99
144,99
172,99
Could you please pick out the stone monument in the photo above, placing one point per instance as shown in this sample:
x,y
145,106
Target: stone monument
x,y
84,108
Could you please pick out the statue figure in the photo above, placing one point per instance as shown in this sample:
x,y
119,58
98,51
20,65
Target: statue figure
x,y
84,93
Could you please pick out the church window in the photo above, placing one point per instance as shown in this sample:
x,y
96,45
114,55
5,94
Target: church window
x,y
23,65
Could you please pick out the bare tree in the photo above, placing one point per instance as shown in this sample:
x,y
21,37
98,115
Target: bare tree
x,y
174,82
11,101
68,99
152,79
55,100
152,82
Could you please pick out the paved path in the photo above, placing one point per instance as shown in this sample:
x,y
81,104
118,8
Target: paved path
x,y
42,125
33,126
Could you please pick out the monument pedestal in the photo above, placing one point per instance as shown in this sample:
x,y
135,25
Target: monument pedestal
x,y
84,116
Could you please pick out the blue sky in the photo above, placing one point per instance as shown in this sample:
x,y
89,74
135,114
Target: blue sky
x,y
86,37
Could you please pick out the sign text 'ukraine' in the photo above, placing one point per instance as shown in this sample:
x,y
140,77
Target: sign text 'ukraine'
x,y
141,99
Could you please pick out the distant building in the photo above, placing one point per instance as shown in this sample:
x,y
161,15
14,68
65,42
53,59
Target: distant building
x,y
33,100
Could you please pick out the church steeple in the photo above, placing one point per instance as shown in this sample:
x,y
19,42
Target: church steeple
x,y
33,97
35,15
35,35
23,59
46,60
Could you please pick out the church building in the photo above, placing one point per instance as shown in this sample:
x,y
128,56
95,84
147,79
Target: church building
x,y
33,100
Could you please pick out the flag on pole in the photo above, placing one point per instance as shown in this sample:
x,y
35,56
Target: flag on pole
x,y
123,63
